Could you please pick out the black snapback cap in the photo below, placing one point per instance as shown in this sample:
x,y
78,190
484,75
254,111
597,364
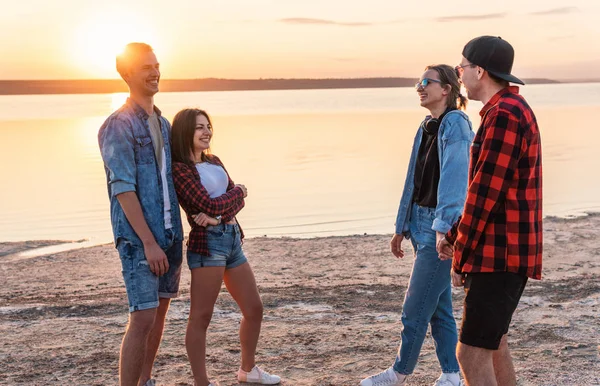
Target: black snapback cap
x,y
494,55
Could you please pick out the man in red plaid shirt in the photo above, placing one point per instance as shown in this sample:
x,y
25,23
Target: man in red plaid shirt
x,y
497,242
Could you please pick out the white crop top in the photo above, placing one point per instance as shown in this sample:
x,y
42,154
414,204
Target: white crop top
x,y
213,178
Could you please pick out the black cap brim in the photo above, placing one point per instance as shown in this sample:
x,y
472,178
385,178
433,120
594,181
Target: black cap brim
x,y
507,77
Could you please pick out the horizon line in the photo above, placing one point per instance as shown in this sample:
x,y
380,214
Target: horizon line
x,y
111,86
561,79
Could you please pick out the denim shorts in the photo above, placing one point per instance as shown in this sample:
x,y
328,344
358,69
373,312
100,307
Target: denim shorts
x,y
224,246
144,288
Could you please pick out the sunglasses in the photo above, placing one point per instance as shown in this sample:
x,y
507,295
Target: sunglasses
x,y
423,83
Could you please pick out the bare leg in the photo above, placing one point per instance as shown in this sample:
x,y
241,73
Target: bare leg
x,y
205,287
241,285
134,346
477,365
503,365
154,340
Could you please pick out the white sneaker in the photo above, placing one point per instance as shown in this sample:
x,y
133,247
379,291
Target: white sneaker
x,y
451,379
385,378
150,382
257,375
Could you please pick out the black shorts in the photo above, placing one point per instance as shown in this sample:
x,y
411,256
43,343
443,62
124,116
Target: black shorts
x,y
490,301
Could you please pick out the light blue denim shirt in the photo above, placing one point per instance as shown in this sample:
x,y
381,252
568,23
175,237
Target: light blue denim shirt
x,y
131,166
454,141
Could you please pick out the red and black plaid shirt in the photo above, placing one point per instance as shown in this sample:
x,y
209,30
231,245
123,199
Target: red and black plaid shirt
x,y
194,199
500,229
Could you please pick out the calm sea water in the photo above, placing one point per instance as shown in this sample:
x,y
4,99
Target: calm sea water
x,y
316,162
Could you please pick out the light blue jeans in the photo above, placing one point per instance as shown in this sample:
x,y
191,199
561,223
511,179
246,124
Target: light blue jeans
x,y
428,300
225,247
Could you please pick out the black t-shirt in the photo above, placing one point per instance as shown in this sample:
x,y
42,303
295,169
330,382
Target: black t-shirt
x,y
427,169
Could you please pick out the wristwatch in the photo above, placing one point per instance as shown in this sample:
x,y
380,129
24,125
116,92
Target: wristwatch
x,y
218,219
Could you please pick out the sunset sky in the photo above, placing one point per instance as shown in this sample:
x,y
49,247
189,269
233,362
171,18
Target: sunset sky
x,y
73,39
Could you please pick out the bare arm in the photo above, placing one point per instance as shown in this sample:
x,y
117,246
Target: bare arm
x,y
204,220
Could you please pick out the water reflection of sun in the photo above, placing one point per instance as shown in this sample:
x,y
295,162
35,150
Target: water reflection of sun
x,y
84,139
117,100
86,129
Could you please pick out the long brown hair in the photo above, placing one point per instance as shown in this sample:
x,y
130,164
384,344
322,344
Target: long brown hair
x,y
182,136
449,77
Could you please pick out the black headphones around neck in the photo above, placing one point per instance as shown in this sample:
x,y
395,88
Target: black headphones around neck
x,y
432,125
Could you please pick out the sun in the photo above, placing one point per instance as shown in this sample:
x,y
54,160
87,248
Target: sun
x,y
98,41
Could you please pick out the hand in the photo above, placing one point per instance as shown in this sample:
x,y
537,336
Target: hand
x,y
396,246
243,187
204,220
156,258
458,279
443,247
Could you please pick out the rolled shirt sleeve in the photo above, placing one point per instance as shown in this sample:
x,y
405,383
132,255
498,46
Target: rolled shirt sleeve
x,y
117,147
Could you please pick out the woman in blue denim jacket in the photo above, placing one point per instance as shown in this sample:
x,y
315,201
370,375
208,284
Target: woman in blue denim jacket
x,y
432,200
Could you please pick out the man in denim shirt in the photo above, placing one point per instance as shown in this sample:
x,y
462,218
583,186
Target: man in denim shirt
x,y
135,146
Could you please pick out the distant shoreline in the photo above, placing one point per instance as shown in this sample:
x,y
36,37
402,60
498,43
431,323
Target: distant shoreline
x,y
108,86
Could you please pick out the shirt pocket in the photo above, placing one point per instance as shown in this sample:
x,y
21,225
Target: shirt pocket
x,y
144,151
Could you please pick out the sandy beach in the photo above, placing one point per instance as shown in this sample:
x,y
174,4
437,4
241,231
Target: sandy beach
x,y
332,314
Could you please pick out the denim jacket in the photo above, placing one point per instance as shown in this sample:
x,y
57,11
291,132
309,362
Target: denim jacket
x,y
131,166
454,141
